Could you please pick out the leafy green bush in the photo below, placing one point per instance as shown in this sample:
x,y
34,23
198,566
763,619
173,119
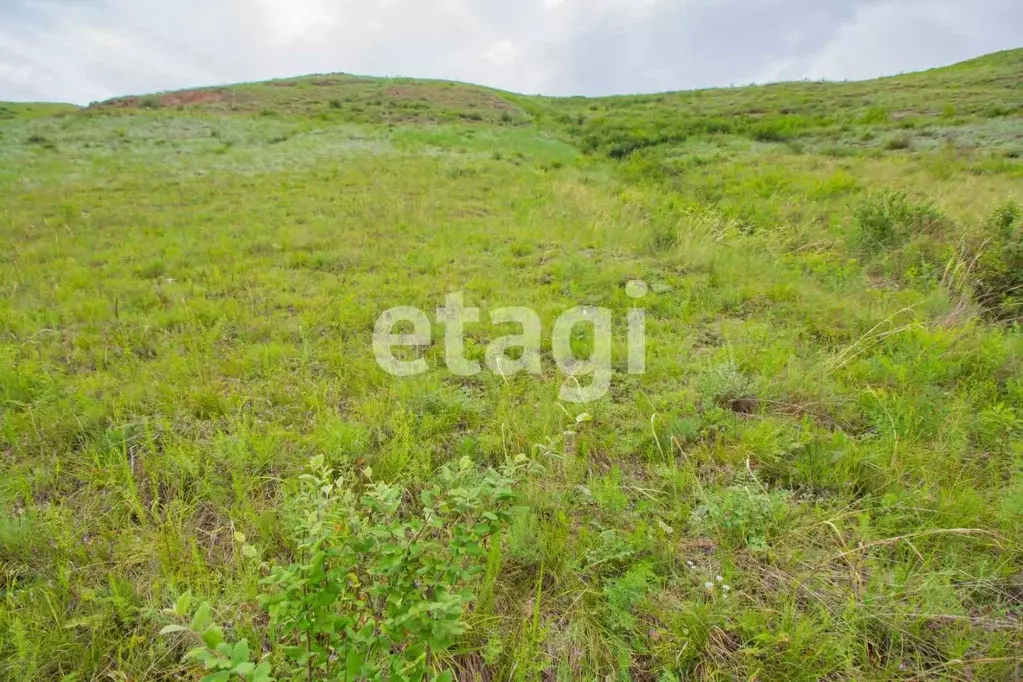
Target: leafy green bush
x,y
743,515
886,219
899,143
921,263
999,287
380,583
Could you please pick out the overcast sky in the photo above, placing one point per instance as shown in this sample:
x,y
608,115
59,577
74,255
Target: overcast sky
x,y
85,50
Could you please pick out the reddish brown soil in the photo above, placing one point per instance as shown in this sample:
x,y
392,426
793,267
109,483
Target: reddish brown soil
x,y
454,97
172,99
195,97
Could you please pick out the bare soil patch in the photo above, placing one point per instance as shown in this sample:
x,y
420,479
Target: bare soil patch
x,y
170,99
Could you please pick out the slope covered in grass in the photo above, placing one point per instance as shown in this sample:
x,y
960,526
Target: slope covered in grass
x,y
831,422
11,110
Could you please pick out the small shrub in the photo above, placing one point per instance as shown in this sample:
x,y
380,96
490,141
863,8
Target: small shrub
x,y
627,592
379,584
41,141
922,263
877,219
780,129
886,219
743,516
767,133
999,285
840,152
998,111
334,104
899,143
150,102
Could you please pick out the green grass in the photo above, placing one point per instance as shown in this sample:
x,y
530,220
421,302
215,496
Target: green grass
x,y
25,110
831,420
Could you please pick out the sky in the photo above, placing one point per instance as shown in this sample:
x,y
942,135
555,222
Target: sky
x,y
87,50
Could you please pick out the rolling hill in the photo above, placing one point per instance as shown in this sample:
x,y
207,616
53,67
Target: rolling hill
x,y
818,476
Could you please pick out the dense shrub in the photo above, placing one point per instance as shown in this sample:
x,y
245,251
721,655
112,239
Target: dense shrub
x,y
999,274
887,219
899,143
743,516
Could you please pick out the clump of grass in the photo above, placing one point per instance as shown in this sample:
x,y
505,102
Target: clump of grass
x,y
663,236
744,516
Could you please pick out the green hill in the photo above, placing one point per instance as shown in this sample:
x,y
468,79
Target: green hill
x,y
818,476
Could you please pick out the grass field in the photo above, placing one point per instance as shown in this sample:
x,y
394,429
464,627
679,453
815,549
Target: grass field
x,y
831,422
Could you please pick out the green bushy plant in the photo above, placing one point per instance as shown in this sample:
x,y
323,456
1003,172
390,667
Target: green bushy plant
x,y
899,143
743,515
877,219
999,287
887,219
380,582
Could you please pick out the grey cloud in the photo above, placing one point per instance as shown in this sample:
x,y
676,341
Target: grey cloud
x,y
700,44
83,50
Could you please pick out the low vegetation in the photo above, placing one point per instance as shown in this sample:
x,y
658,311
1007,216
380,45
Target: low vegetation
x,y
819,476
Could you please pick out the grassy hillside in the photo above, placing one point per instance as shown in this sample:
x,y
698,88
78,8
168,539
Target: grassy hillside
x,y
12,110
830,425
